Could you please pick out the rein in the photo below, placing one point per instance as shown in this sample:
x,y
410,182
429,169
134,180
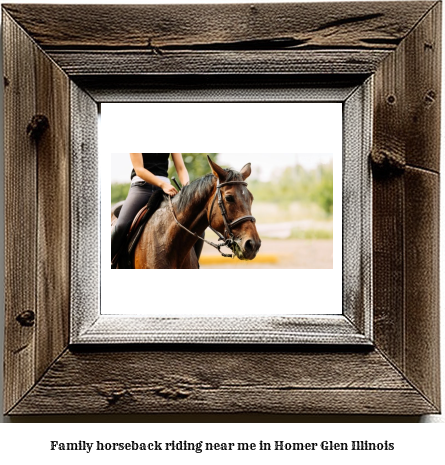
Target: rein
x,y
227,238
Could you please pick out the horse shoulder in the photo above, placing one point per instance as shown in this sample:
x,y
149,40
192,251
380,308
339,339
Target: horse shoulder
x,y
150,252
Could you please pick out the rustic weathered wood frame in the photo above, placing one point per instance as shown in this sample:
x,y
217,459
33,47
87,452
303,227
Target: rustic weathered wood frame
x,y
76,56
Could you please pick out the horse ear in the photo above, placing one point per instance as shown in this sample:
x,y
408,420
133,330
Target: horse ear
x,y
245,171
219,172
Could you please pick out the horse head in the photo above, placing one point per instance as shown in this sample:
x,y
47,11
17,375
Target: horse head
x,y
233,216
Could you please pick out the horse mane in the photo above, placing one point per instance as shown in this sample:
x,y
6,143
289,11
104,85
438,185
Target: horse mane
x,y
200,186
154,202
186,195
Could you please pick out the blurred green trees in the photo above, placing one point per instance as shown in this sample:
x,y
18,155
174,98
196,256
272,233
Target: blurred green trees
x,y
297,184
196,164
119,192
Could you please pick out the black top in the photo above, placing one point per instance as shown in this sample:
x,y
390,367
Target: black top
x,y
156,163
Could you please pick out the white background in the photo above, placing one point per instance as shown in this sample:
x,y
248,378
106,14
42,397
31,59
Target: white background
x,y
245,128
29,443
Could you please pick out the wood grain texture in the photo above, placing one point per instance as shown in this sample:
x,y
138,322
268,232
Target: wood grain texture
x,y
408,96
422,364
263,38
109,329
341,25
20,212
217,87
223,382
406,222
357,209
389,142
123,63
423,91
388,268
53,238
85,211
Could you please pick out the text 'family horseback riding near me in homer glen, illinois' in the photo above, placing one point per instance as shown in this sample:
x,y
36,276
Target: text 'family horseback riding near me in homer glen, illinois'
x,y
201,446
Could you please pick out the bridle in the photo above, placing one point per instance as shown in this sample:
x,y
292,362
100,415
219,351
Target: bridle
x,y
227,238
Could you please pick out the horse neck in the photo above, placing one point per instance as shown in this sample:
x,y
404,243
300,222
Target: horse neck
x,y
194,216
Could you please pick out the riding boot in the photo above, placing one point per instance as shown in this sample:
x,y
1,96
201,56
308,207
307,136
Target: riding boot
x,y
115,247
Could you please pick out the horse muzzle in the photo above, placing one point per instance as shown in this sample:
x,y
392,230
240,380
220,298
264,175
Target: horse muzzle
x,y
247,249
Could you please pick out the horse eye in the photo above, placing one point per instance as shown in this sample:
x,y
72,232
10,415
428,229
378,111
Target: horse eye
x,y
230,198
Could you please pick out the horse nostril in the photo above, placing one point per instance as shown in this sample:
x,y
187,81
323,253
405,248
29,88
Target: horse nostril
x,y
249,245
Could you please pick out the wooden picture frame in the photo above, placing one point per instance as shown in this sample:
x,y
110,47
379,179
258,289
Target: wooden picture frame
x,y
56,72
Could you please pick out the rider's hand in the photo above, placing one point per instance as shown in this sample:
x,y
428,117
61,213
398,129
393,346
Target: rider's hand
x,y
168,189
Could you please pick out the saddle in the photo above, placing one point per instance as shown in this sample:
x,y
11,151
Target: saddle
x,y
133,234
137,222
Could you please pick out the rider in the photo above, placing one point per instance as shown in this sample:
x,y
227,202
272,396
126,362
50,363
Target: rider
x,y
149,174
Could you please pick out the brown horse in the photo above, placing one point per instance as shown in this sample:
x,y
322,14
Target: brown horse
x,y
164,244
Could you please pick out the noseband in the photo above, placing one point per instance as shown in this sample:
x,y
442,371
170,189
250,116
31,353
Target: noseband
x,y
227,238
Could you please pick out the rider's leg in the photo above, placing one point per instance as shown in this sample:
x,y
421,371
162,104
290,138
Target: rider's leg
x,y
137,197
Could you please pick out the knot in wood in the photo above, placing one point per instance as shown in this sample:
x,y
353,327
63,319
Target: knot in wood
x,y
386,163
37,126
26,318
115,396
112,395
172,393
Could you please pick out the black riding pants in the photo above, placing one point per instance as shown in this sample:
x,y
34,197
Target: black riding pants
x,y
138,196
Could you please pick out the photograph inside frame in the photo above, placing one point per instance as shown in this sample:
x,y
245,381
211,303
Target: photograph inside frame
x,y
252,214
274,211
